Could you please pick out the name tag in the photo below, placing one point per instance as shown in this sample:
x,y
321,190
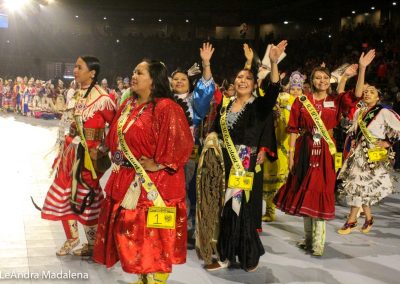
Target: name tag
x,y
338,161
329,104
195,153
161,217
242,180
377,154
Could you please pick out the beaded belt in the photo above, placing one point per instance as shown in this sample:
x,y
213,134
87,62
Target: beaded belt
x,y
90,133
306,132
253,149
119,159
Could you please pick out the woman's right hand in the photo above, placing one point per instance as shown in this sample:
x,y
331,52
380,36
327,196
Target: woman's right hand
x,y
206,53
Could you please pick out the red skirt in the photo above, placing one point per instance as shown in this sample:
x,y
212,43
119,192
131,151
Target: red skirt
x,y
122,236
314,195
57,205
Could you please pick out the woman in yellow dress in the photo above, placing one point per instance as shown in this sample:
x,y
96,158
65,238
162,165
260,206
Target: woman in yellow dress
x,y
276,172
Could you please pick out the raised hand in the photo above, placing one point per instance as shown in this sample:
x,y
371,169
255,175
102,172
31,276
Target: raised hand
x,y
206,53
248,52
351,70
366,59
277,50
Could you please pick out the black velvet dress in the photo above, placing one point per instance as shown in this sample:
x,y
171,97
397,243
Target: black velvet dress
x,y
253,127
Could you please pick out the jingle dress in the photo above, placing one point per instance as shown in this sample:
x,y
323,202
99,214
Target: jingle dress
x,y
366,182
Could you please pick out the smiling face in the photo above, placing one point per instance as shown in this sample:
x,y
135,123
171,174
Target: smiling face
x,y
82,74
321,81
141,83
180,83
370,95
244,83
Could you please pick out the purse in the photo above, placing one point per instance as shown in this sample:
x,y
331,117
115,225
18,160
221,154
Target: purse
x,y
101,161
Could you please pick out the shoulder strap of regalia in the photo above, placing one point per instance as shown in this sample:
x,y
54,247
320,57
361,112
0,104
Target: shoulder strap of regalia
x,y
318,123
364,119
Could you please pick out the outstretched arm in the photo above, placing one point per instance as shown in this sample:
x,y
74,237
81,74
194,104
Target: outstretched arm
x,y
274,54
206,53
348,73
364,61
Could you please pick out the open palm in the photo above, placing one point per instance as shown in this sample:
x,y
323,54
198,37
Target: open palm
x,y
366,59
248,52
351,70
206,52
277,50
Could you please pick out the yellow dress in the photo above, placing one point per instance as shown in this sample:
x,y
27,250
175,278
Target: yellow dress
x,y
276,172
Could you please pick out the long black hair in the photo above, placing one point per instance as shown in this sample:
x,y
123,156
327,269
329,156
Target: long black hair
x,y
190,80
93,63
161,86
159,74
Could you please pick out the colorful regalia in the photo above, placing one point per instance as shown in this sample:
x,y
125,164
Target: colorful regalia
x,y
309,190
159,130
75,194
241,218
8,99
366,182
277,171
195,105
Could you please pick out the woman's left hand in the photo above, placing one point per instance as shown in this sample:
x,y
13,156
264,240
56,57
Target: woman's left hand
x,y
148,164
383,144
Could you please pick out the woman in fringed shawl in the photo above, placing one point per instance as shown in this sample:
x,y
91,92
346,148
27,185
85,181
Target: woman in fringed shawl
x,y
75,194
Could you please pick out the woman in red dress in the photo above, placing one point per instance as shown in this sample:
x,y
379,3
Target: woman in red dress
x,y
309,191
153,129
75,194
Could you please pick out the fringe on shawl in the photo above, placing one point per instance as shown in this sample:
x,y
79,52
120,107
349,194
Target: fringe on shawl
x,y
210,187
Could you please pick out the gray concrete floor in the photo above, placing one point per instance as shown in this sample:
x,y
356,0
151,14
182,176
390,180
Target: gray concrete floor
x,y
28,243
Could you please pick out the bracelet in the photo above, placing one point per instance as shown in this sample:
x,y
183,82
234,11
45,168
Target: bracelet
x,y
205,65
291,149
